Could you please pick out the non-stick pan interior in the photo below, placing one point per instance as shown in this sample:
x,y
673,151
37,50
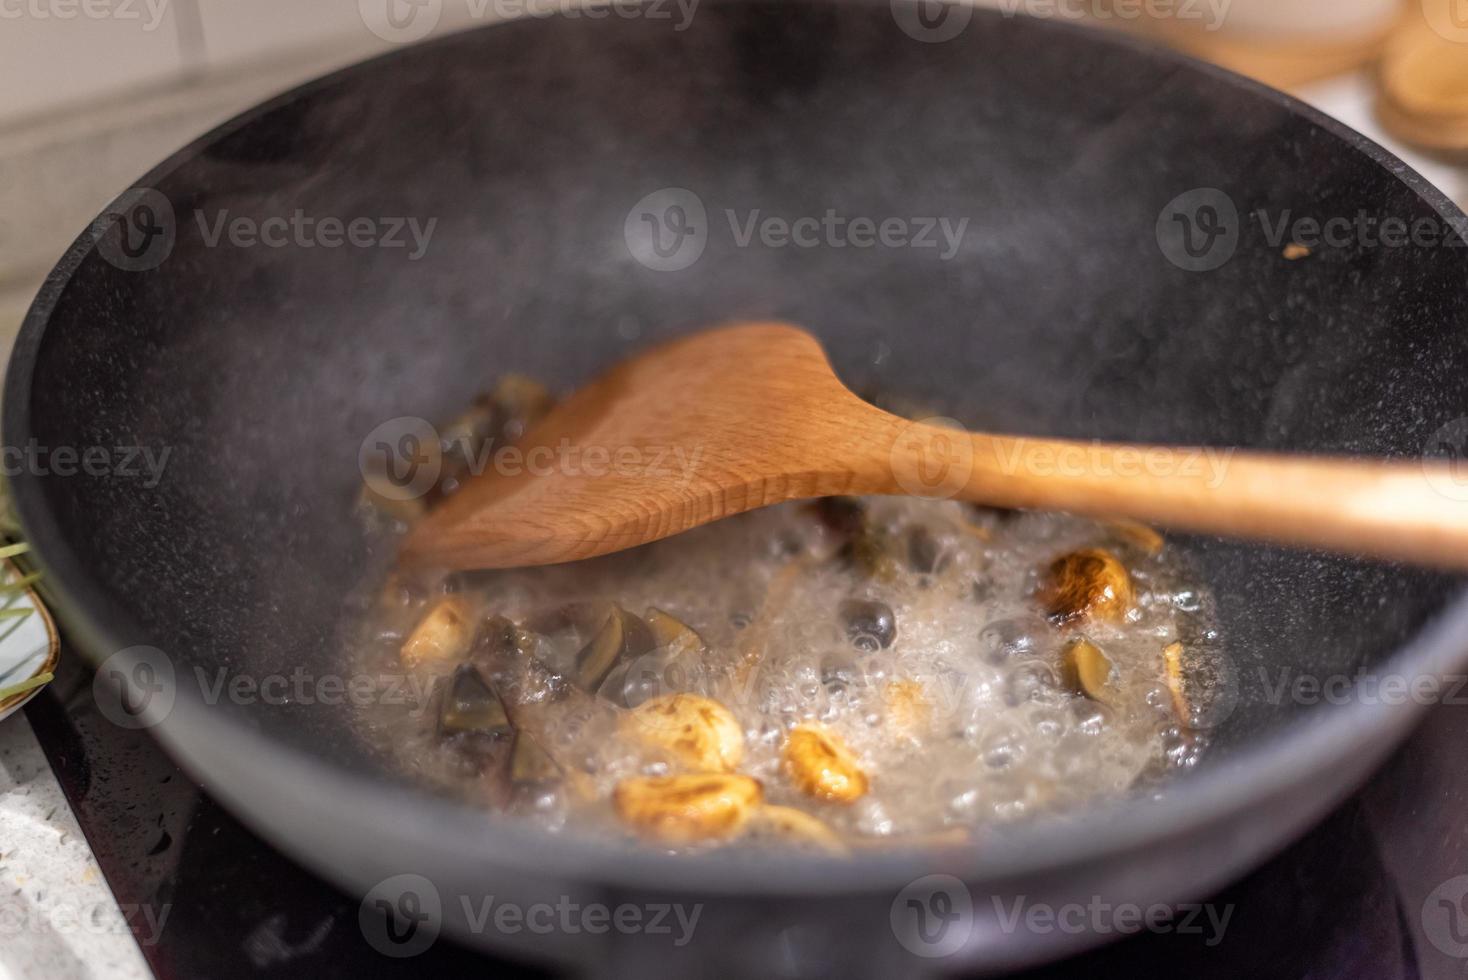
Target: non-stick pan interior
x,y
262,368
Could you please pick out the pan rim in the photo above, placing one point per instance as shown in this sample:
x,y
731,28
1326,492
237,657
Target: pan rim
x,y
1254,773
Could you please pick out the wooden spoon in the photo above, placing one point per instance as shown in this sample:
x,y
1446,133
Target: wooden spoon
x,y
745,416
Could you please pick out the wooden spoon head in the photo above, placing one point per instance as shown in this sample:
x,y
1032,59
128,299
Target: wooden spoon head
x,y
691,431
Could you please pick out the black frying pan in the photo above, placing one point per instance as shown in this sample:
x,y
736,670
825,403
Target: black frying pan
x,y
262,368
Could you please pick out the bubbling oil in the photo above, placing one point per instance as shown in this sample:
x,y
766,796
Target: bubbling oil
x,y
963,718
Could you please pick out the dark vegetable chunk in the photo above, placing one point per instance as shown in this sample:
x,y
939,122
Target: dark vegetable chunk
x,y
843,515
870,626
621,637
924,553
470,705
672,634
531,765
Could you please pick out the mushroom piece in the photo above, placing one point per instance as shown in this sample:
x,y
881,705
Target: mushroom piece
x,y
1088,671
699,732
621,637
582,618
441,637
871,553
820,765
461,444
1090,583
471,706
869,625
531,765
495,419
689,808
787,825
843,515
924,553
1172,660
1137,535
498,636
673,635
519,402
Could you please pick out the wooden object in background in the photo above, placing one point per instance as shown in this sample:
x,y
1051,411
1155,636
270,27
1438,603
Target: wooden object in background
x,y
1284,43
1424,80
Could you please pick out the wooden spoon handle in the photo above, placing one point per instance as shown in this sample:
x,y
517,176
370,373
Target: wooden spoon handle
x,y
1415,511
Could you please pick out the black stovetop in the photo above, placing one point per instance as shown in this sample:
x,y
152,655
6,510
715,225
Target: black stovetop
x,y
1354,898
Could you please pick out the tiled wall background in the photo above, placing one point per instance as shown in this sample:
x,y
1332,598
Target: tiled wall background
x,y
56,53
94,92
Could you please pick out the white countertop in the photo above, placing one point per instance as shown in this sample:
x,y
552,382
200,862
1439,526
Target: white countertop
x,y
58,918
